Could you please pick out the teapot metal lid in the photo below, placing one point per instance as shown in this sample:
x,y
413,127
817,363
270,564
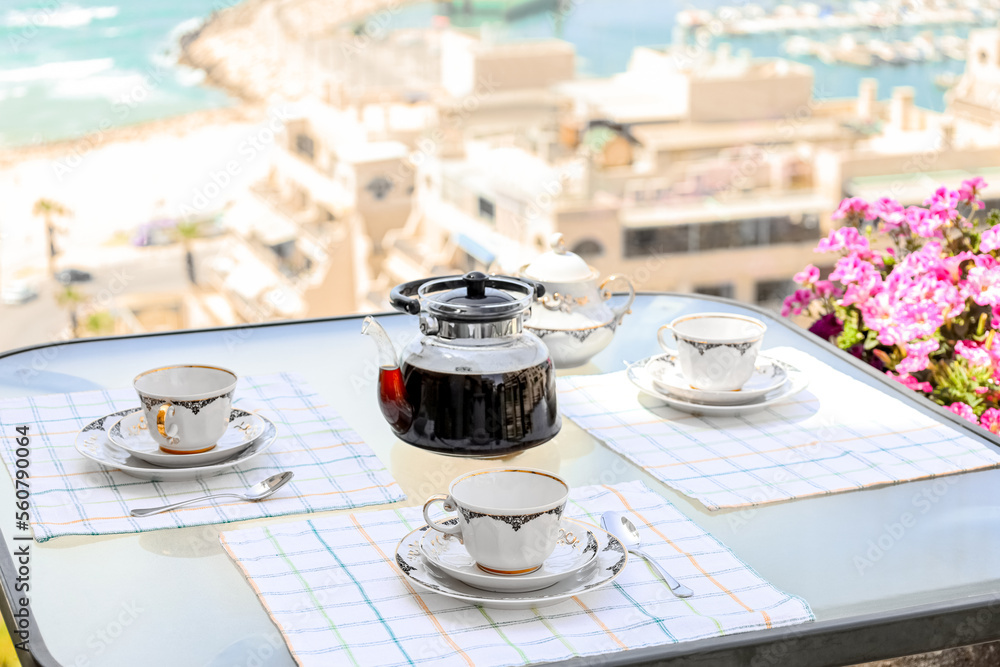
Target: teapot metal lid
x,y
558,265
474,297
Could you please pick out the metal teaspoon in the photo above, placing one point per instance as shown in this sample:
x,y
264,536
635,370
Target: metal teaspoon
x,y
619,525
258,491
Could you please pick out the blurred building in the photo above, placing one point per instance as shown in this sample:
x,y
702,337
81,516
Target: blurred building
x,y
654,173
917,150
974,102
707,172
702,171
306,243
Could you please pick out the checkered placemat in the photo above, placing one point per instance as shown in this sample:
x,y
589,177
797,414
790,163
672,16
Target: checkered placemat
x,y
71,495
332,587
838,435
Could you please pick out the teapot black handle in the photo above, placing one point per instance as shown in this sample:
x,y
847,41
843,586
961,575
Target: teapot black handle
x,y
401,296
539,287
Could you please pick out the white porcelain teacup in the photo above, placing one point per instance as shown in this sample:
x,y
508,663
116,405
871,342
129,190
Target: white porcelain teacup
x,y
508,518
187,407
716,351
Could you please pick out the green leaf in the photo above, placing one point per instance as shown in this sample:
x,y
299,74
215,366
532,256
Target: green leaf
x,y
851,335
871,340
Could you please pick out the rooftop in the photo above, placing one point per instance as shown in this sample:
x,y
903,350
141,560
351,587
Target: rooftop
x,y
914,187
710,209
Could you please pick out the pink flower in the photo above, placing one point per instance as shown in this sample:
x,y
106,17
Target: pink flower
x,y
845,238
826,289
923,347
891,212
808,275
964,410
990,420
969,191
853,269
942,204
974,353
917,356
911,382
797,302
953,264
923,223
863,290
982,285
990,239
878,313
986,261
854,207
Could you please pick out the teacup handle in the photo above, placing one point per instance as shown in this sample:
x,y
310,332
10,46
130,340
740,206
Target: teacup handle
x,y
661,340
166,410
449,506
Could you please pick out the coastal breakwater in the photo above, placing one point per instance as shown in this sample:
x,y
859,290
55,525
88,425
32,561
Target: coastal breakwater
x,y
254,50
259,50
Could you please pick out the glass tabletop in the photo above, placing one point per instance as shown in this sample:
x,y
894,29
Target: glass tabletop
x,y
126,599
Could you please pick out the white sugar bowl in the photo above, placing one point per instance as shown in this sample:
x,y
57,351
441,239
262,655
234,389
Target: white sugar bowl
x,y
573,318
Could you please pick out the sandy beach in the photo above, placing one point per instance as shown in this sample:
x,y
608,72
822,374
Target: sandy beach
x,y
118,181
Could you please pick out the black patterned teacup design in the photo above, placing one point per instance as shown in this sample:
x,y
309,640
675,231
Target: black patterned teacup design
x,y
508,518
187,407
716,351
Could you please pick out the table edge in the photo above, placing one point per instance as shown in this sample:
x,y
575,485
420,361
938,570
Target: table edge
x,y
738,649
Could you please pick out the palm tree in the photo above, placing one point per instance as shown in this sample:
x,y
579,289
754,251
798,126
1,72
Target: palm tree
x,y
188,231
49,210
71,299
99,324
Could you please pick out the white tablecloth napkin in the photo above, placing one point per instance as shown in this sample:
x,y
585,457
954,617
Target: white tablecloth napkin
x,y
837,435
332,587
71,495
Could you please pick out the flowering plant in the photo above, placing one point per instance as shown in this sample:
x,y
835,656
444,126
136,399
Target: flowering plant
x,y
921,303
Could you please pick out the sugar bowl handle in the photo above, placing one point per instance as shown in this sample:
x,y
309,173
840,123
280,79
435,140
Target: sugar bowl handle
x,y
449,506
623,310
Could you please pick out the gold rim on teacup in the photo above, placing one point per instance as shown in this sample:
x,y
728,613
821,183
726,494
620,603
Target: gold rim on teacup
x,y
672,327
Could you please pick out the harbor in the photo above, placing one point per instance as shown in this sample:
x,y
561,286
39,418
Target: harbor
x,y
865,51
754,19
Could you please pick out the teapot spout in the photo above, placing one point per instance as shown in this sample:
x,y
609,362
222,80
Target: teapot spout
x,y
386,351
392,400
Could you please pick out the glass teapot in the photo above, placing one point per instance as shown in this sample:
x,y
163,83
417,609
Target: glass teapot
x,y
475,383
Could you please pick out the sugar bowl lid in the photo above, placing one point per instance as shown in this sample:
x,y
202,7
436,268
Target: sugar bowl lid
x,y
558,265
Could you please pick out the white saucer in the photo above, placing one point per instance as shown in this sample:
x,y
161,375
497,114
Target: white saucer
x,y
575,550
93,443
640,377
131,434
610,561
665,372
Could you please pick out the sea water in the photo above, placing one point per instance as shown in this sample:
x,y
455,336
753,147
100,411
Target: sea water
x,y
67,69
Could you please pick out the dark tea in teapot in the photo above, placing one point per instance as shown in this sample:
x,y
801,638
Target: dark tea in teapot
x,y
480,414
